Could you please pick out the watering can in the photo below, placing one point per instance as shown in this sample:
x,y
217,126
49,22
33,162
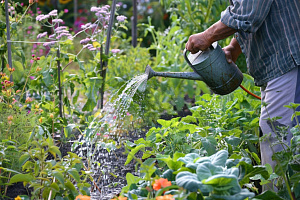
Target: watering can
x,y
209,66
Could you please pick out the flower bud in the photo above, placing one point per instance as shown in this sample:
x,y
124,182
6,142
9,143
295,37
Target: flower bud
x,y
10,118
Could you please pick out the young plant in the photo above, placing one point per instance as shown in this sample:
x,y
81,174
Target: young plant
x,y
50,175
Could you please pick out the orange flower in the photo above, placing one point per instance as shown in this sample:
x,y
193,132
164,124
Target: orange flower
x,y
82,197
162,182
120,198
166,197
18,198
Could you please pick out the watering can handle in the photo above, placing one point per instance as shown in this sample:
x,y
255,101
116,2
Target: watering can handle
x,y
185,57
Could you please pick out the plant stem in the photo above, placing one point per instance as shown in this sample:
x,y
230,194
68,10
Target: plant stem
x,y
5,190
26,80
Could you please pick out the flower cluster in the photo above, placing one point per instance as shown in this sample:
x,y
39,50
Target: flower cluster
x,y
5,81
85,41
59,31
121,18
6,84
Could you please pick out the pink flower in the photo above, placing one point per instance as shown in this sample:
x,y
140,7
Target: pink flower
x,y
57,21
98,134
114,117
115,50
106,136
66,10
41,35
53,13
121,18
127,113
31,77
31,61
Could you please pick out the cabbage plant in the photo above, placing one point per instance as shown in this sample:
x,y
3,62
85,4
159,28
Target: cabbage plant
x,y
214,177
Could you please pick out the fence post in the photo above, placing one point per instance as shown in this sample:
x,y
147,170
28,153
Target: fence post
x,y
134,24
107,45
8,38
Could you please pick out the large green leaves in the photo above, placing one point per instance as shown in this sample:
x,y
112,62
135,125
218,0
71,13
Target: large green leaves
x,y
190,181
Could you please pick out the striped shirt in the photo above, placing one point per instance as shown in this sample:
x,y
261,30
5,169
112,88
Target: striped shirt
x,y
268,33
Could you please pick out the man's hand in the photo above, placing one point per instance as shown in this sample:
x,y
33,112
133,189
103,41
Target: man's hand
x,y
232,51
198,42
201,41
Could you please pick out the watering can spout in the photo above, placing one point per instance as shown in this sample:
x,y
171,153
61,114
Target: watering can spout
x,y
183,75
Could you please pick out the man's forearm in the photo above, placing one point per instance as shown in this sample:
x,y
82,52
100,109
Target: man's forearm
x,y
218,31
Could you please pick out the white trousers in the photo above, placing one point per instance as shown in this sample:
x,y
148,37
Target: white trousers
x,y
277,93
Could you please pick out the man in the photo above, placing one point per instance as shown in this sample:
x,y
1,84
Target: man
x,y
268,33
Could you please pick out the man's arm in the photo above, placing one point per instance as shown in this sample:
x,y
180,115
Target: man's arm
x,y
203,40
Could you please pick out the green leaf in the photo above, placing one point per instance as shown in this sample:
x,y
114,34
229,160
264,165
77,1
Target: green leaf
x,y
209,143
164,123
68,129
222,180
168,174
234,141
19,71
47,78
206,170
219,158
71,187
133,152
21,178
131,179
59,176
189,158
74,173
54,186
55,150
269,195
190,182
23,159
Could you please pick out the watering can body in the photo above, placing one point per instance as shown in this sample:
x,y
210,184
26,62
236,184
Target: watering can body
x,y
209,66
222,77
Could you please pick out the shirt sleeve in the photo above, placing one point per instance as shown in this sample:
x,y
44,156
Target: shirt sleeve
x,y
246,15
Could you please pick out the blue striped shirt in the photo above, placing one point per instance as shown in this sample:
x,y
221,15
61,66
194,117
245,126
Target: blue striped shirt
x,y
268,33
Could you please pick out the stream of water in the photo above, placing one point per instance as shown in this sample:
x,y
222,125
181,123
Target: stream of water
x,y
115,111
110,123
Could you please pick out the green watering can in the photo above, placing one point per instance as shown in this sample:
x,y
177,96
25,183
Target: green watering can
x,y
209,66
